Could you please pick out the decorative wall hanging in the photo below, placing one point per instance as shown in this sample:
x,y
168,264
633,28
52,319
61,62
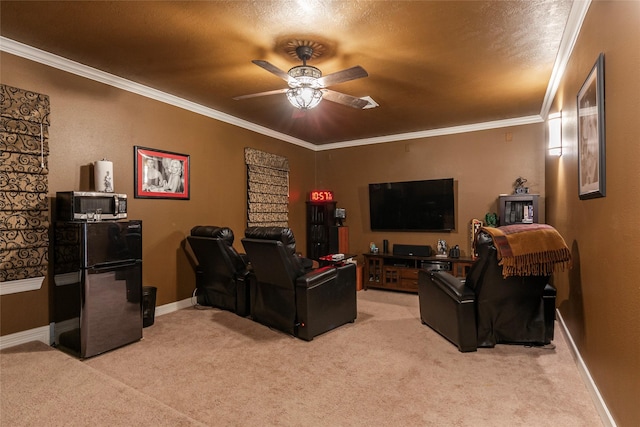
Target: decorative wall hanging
x,y
591,135
267,188
24,205
160,174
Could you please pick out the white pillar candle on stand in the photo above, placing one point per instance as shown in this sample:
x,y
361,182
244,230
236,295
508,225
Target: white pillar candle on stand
x,y
103,175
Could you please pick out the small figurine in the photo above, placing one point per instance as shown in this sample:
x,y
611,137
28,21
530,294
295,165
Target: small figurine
x,y
491,219
108,187
518,186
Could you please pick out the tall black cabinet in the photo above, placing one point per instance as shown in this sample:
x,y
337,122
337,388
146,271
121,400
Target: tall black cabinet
x,y
321,225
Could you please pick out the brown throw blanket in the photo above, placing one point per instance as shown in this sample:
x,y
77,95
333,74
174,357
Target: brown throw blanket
x,y
530,249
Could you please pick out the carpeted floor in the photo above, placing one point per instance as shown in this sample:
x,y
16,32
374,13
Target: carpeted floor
x,y
210,367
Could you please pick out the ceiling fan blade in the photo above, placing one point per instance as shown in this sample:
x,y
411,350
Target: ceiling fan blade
x,y
255,95
344,99
352,73
272,69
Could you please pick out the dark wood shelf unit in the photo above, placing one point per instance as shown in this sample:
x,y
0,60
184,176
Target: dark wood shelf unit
x,y
512,208
400,273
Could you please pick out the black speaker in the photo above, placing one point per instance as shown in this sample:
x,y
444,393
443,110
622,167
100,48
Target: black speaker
x,y
412,250
385,246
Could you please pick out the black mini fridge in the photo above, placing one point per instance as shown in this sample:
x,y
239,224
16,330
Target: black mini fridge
x,y
98,285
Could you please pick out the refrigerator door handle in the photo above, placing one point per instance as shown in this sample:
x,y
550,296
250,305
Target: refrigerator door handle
x,y
114,265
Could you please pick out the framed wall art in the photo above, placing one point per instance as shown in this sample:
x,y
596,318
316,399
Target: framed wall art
x,y
160,174
591,134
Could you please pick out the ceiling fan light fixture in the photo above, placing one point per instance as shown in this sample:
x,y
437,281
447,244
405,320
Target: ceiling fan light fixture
x,y
307,86
304,97
305,74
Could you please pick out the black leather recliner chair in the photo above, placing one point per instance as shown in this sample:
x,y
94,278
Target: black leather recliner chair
x,y
487,309
221,273
287,296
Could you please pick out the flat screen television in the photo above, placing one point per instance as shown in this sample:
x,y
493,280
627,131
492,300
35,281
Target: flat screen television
x,y
427,205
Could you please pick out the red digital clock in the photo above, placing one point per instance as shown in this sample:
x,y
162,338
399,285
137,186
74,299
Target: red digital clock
x,y
321,196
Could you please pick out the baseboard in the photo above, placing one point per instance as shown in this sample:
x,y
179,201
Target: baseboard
x,y
601,407
174,306
45,333
37,334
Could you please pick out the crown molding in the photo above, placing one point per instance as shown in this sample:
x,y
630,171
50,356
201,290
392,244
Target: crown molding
x,y
28,52
519,121
572,29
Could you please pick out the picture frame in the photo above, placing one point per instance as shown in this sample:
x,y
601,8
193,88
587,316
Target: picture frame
x,y
160,174
591,134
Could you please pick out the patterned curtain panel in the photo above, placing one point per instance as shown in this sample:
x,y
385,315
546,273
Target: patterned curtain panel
x,y
24,212
268,189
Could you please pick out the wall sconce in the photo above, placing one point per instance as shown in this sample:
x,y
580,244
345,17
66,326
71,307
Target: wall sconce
x,y
554,122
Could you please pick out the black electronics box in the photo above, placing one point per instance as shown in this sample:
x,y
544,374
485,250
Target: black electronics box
x,y
411,250
436,265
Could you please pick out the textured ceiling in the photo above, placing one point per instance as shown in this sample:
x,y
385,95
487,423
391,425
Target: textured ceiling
x,y
431,64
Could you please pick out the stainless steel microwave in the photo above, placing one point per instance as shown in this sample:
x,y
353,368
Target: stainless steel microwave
x,y
84,205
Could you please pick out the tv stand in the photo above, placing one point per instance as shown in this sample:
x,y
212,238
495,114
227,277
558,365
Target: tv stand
x,y
400,273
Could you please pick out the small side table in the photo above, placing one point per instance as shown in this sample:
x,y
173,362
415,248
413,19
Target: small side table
x,y
328,259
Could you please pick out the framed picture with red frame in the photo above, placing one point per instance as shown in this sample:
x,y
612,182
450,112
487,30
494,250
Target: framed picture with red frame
x,y
160,174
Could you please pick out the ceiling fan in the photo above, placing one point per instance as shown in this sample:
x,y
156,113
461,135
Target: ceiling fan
x,y
307,87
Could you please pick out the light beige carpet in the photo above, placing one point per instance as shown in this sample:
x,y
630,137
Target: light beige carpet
x,y
41,386
213,367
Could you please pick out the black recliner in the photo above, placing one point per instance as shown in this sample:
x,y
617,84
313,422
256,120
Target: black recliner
x,y
287,296
487,308
221,273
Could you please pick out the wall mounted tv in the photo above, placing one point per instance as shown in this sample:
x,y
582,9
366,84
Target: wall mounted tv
x,y
412,205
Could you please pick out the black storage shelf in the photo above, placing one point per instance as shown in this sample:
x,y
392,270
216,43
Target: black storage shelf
x,y
512,209
320,218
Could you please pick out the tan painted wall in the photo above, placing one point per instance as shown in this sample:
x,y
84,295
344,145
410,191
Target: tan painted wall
x,y
90,121
483,164
599,298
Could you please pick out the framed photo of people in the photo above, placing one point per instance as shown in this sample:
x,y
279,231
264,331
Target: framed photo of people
x,y
591,134
160,174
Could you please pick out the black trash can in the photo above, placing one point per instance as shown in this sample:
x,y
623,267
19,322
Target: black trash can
x,y
148,305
